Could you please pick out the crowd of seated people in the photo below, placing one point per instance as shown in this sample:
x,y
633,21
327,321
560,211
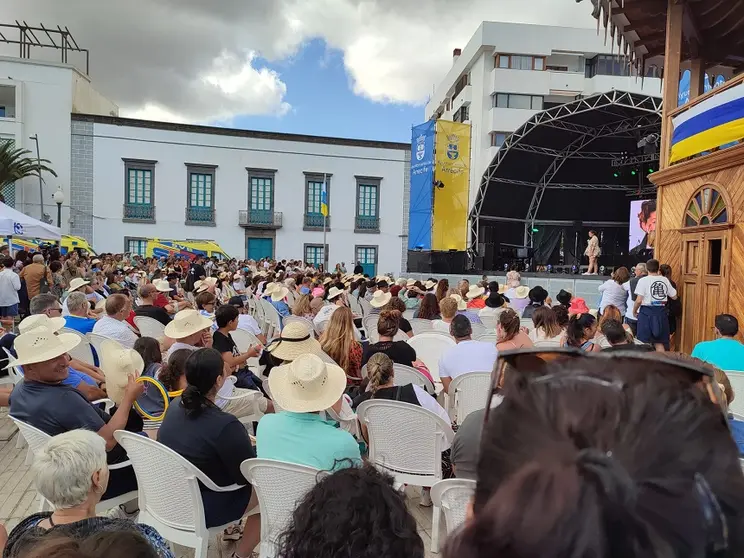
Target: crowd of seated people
x,y
300,402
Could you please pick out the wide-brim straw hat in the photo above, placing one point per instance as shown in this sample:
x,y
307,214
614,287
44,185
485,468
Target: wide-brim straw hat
x,y
522,292
76,283
41,320
475,291
40,345
307,384
237,276
186,322
295,340
410,283
162,286
206,284
461,304
118,363
269,288
279,293
401,281
334,292
430,285
380,299
327,280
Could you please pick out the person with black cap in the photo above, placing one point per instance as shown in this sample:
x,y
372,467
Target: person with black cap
x,y
538,296
564,298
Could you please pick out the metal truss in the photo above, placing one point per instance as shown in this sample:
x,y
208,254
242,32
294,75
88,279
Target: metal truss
x,y
649,116
570,186
634,160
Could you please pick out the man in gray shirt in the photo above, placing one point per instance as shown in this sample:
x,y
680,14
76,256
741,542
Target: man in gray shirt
x,y
466,446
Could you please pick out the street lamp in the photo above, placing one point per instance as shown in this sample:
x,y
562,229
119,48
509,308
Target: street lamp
x,y
59,199
35,138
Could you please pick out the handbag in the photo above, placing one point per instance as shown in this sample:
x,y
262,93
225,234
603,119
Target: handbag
x,y
43,283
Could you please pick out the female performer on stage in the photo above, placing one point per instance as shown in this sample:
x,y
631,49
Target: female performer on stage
x,y
592,252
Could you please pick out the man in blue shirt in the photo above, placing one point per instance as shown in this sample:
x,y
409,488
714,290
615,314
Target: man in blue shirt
x,y
78,306
725,352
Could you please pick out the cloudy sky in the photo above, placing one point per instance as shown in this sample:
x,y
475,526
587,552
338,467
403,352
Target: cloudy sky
x,y
355,68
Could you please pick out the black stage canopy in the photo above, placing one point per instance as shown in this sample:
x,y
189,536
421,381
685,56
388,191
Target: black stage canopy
x,y
576,166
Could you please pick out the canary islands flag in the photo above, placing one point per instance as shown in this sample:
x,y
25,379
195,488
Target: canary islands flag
x,y
324,201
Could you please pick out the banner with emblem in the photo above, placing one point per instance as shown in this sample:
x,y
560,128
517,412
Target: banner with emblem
x,y
452,190
422,179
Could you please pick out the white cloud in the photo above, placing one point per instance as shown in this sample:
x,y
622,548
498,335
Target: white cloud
x,y
196,61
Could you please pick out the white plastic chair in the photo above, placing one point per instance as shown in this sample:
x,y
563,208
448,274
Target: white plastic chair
x,y
356,308
15,375
370,326
279,487
366,306
405,375
300,320
271,319
149,327
488,338
407,442
429,348
244,339
527,322
469,392
409,314
320,327
478,330
736,378
37,439
83,351
169,495
420,325
453,496
97,341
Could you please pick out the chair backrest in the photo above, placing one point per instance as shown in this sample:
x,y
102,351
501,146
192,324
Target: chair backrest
x,y
478,330
356,308
527,322
549,343
83,351
370,326
489,321
366,306
420,325
167,483
309,326
429,348
15,374
471,392
453,496
408,314
97,340
488,338
279,487
271,319
400,336
244,339
737,383
320,326
291,298
405,439
35,438
405,375
149,327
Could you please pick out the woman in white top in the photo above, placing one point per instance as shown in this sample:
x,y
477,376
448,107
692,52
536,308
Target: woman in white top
x,y
612,291
547,329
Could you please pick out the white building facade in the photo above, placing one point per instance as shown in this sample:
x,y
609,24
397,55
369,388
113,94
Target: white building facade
x,y
257,194
508,72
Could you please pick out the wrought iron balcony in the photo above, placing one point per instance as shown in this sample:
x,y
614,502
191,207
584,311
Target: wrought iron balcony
x,y
367,224
314,221
200,216
139,212
260,219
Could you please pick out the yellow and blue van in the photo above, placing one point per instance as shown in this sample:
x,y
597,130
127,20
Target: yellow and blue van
x,y
67,244
157,248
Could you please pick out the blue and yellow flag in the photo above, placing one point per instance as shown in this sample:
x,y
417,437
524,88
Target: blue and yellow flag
x,y
324,201
717,121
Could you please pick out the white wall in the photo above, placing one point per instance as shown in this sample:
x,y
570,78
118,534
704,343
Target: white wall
x,y
172,149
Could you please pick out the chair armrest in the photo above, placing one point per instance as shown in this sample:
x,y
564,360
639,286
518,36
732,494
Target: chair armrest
x,y
209,484
121,465
252,394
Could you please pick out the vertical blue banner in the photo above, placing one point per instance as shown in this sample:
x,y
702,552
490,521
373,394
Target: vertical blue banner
x,y
422,179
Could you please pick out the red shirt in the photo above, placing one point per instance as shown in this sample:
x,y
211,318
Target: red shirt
x,y
477,303
161,301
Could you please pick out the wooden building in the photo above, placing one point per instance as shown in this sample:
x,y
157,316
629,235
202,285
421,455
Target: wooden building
x,y
700,197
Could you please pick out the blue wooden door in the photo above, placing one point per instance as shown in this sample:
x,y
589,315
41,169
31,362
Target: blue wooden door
x,y
260,248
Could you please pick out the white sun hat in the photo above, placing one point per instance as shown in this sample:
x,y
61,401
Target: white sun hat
x,y
430,285
522,292
269,289
186,322
118,363
475,291
40,345
380,299
280,292
206,283
76,283
162,285
295,340
410,283
461,304
333,292
41,320
307,384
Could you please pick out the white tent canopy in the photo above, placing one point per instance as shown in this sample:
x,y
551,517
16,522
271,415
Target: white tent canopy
x,y
15,223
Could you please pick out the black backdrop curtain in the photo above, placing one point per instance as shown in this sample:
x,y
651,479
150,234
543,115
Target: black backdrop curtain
x,y
546,242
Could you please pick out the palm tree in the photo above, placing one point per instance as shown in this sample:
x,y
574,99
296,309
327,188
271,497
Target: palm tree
x,y
17,163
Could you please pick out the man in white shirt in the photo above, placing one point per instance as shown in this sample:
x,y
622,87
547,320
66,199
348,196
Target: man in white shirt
x,y
10,284
652,293
245,320
337,298
113,324
629,287
467,355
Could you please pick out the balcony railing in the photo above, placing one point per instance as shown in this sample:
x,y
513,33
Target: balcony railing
x,y
367,224
200,216
136,212
314,221
260,219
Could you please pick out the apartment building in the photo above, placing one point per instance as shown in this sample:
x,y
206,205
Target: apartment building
x,y
508,72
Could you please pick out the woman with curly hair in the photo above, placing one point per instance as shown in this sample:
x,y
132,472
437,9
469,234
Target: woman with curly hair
x,y
363,516
429,309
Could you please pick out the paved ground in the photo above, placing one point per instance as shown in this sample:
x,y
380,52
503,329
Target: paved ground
x,y
18,497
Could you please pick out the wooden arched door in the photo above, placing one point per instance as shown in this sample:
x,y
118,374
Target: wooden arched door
x,y
706,259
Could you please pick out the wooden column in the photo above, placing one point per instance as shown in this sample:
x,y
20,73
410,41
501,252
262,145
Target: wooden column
x,y
672,62
697,78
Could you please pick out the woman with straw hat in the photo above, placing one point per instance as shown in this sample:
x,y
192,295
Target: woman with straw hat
x,y
518,298
278,295
45,402
337,299
305,388
378,300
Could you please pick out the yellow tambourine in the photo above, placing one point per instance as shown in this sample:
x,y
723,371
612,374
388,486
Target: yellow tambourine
x,y
149,404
